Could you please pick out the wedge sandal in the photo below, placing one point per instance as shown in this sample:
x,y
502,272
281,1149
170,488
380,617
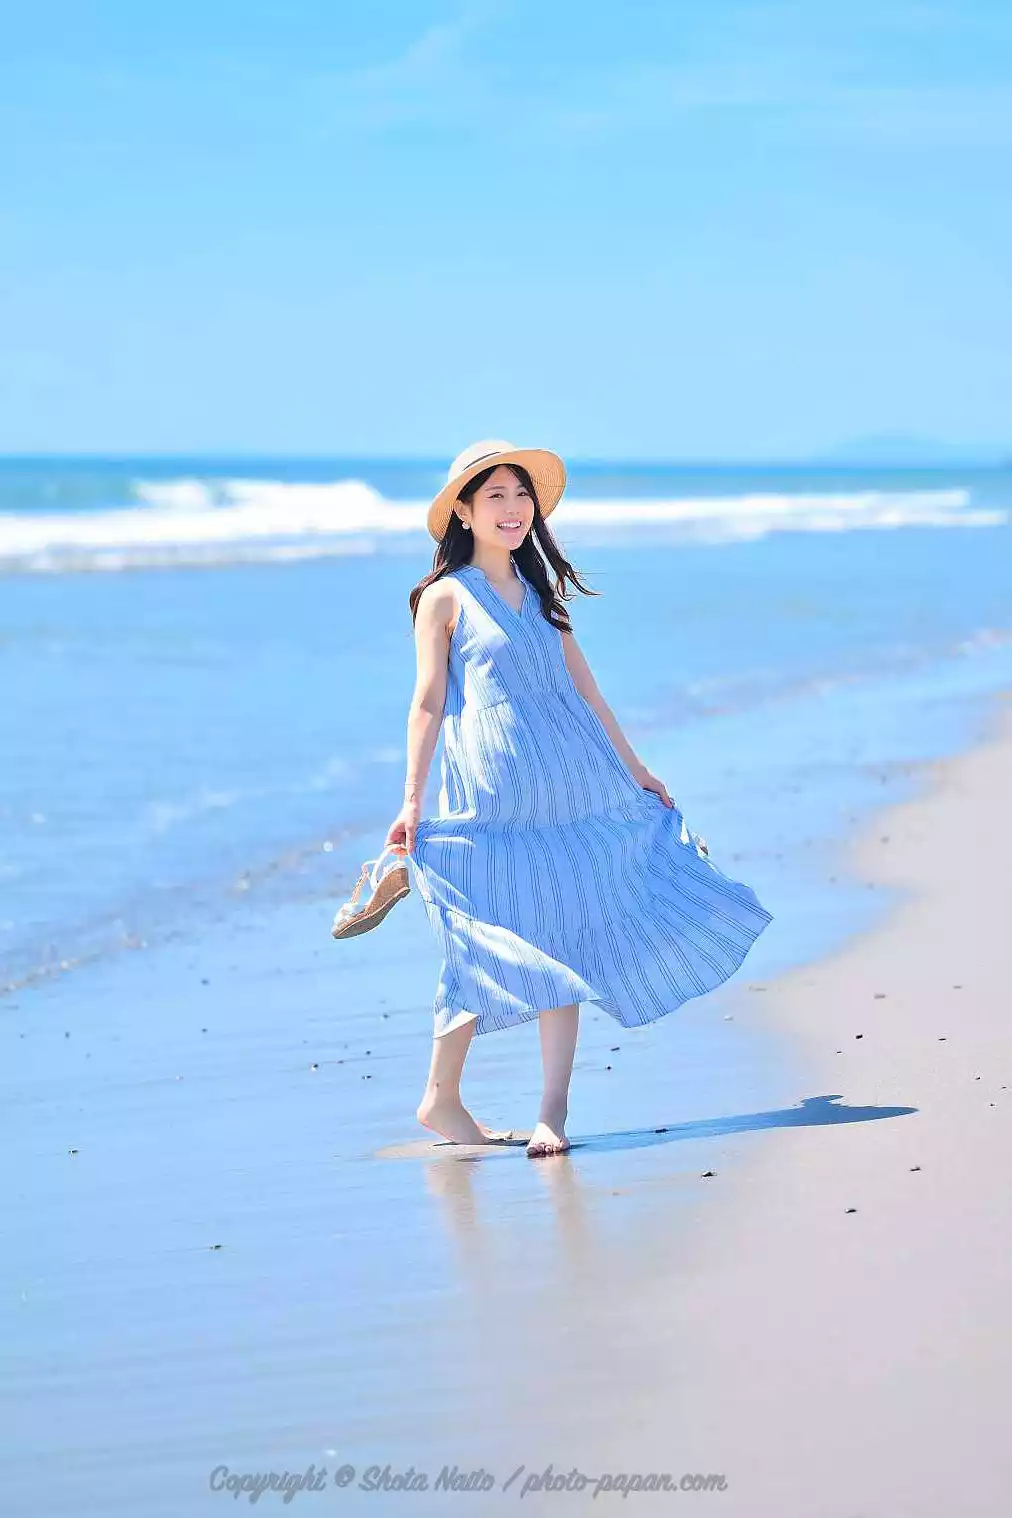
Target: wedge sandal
x,y
388,882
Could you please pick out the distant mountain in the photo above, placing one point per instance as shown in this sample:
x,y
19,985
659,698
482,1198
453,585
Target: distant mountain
x,y
897,449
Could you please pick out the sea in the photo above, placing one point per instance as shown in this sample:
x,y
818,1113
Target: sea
x,y
206,666
227,1241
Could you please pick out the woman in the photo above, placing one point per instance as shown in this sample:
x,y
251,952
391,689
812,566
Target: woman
x,y
558,869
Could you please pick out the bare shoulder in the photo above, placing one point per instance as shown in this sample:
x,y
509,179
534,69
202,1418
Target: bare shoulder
x,y
437,605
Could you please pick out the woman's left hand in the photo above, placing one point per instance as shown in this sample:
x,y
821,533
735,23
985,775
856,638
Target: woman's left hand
x,y
650,782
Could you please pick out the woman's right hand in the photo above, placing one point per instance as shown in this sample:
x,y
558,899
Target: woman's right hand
x,y
402,829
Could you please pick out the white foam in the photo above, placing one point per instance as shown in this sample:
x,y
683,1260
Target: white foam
x,y
194,521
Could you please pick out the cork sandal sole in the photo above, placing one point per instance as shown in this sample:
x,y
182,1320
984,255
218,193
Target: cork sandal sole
x,y
389,888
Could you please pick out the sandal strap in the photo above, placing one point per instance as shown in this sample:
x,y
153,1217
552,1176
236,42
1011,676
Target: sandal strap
x,y
372,871
378,873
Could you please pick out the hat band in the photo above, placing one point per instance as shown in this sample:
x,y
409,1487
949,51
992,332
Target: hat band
x,y
493,455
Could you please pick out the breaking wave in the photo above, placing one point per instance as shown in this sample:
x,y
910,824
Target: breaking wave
x,y
192,522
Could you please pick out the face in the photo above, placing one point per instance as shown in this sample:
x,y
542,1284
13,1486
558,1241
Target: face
x,y
501,511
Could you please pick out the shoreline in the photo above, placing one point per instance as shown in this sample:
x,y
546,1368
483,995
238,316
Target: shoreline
x,y
751,1325
213,1236
840,1342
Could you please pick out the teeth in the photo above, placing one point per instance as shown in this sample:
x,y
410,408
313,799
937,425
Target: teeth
x,y
507,524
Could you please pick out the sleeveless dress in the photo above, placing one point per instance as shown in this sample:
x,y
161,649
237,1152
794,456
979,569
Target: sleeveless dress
x,y
550,875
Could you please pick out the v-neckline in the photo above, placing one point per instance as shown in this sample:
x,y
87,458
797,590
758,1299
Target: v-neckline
x,y
516,612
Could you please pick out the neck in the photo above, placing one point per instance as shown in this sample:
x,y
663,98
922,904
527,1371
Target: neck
x,y
495,563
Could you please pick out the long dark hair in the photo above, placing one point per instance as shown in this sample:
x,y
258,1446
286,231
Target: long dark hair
x,y
456,546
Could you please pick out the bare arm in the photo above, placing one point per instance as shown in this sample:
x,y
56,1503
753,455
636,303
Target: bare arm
x,y
436,610
585,683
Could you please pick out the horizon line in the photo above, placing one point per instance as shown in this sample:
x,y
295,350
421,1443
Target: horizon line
x,y
950,455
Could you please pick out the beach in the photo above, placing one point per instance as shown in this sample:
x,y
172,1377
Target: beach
x,y
230,1249
821,1323
761,423
841,1344
831,1336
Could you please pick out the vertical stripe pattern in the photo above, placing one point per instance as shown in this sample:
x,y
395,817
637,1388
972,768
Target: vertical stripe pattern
x,y
549,874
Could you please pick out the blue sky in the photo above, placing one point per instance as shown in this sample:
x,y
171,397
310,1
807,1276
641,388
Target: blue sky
x,y
655,230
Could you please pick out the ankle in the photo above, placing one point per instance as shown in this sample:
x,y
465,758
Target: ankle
x,y
554,1111
438,1100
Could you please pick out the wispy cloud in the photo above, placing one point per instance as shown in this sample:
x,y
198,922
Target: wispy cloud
x,y
654,97
914,73
431,80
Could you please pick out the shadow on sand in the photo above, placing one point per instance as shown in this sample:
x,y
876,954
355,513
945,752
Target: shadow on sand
x,y
811,1112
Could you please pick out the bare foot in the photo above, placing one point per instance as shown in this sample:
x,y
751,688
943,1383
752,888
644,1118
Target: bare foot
x,y
548,1138
451,1120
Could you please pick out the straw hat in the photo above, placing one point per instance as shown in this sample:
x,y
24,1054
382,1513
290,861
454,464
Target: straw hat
x,y
546,470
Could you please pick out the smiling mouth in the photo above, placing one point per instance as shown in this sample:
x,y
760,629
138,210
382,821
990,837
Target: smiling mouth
x,y
509,523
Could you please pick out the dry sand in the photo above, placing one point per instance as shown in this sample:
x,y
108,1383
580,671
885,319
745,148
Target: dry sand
x,y
861,1362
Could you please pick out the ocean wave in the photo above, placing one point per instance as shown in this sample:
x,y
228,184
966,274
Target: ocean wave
x,y
192,522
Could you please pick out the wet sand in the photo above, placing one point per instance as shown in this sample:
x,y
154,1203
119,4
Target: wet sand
x,y
219,1251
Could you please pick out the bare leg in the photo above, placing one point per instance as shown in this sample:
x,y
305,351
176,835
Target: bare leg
x,y
559,1028
441,1108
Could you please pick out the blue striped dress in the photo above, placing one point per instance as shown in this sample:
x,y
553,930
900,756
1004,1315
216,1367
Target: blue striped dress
x,y
550,875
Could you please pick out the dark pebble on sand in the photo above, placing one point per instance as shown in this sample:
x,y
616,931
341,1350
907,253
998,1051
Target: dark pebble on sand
x,y
859,1035
851,1209
915,1167
71,1151
705,1173
314,1067
214,1246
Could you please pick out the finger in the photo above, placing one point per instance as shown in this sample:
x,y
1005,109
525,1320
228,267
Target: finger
x,y
409,838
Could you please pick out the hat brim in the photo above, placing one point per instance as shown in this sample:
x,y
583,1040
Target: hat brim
x,y
546,469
